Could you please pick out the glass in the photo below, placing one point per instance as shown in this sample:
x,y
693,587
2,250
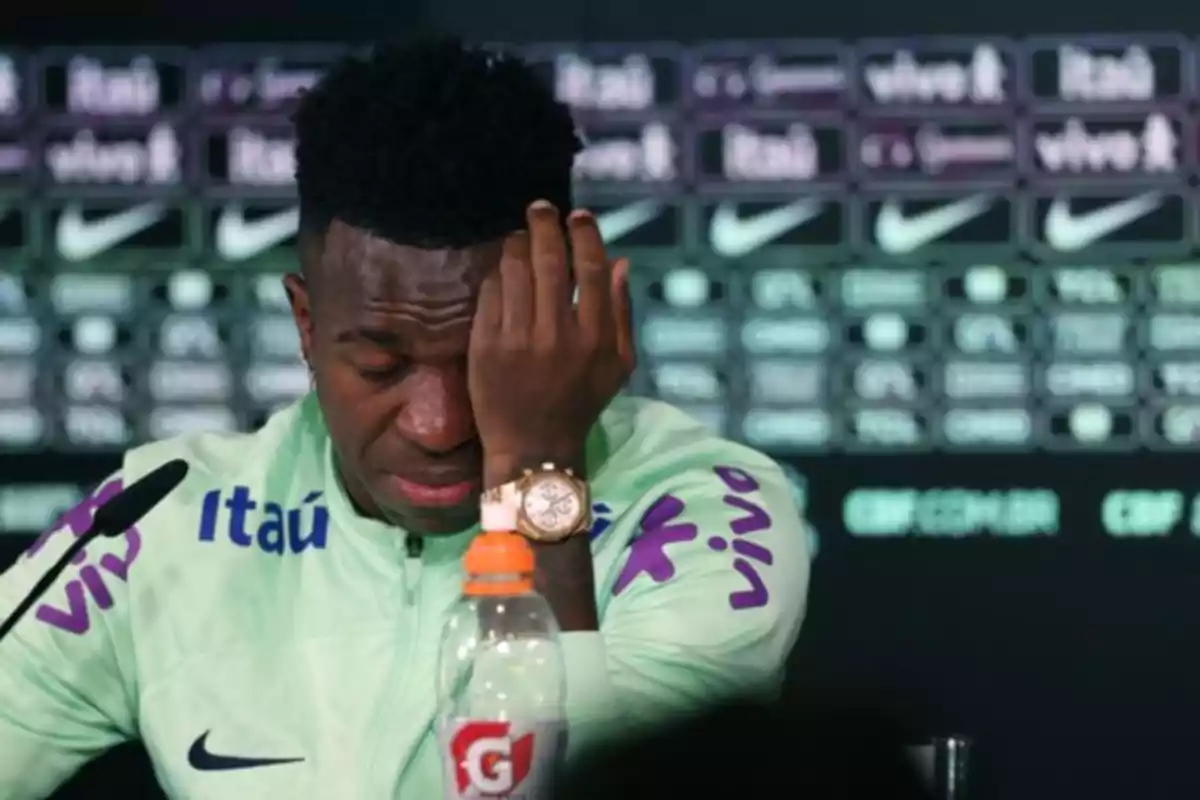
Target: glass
x,y
942,763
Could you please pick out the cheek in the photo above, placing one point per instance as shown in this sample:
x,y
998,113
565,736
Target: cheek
x,y
348,403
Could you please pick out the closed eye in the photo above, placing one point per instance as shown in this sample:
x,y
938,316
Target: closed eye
x,y
382,372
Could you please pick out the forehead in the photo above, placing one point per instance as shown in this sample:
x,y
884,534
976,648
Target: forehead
x,y
362,272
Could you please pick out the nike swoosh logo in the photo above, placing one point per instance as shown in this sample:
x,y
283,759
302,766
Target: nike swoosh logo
x,y
616,223
202,759
79,239
732,236
899,235
1069,233
238,238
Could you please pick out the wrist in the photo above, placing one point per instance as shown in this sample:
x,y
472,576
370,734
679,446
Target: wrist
x,y
564,577
563,573
500,468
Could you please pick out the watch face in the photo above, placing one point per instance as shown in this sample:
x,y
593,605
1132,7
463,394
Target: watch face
x,y
553,504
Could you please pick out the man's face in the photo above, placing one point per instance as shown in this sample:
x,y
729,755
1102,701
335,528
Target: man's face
x,y
386,329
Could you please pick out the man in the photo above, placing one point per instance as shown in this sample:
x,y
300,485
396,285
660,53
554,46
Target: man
x,y
271,629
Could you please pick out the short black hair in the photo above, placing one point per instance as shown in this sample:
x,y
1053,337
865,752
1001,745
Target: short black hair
x,y
431,143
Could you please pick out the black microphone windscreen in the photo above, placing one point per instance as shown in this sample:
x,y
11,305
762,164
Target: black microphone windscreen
x,y
123,511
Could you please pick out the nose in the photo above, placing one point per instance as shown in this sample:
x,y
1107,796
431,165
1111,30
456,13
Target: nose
x,y
437,417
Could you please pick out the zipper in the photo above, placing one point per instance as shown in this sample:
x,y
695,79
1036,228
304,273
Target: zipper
x,y
414,546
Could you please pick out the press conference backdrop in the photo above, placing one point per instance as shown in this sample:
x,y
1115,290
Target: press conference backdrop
x,y
953,284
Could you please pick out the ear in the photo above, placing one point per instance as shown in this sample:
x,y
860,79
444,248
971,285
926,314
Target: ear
x,y
297,292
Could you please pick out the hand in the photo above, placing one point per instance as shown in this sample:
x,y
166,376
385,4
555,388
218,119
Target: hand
x,y
540,368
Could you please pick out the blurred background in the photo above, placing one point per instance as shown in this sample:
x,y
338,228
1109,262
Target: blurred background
x,y
940,259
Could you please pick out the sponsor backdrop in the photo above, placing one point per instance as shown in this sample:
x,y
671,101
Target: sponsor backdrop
x,y
953,284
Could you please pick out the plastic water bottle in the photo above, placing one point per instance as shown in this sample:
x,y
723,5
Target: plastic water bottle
x,y
501,685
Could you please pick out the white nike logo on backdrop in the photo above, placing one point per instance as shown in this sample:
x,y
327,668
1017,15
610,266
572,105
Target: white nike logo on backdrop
x,y
898,234
733,236
618,222
238,238
1069,232
79,239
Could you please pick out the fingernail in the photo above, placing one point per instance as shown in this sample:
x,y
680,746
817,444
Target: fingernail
x,y
579,215
541,205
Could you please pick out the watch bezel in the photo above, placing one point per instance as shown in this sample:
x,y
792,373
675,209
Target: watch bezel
x,y
531,480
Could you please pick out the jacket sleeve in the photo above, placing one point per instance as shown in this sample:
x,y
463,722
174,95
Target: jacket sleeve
x,y
64,698
706,603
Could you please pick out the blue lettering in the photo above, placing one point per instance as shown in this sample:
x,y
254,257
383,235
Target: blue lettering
x,y
238,505
270,533
600,520
316,534
208,515
274,529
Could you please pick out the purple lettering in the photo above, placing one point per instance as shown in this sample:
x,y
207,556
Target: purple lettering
x,y
753,550
756,519
754,597
75,618
120,566
736,479
660,526
95,584
78,519
90,580
648,554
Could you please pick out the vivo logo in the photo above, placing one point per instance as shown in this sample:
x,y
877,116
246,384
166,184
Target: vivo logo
x,y
907,79
648,156
154,160
1074,148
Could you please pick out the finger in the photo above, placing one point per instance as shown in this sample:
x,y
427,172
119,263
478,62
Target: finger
x,y
623,314
516,277
489,310
592,276
551,282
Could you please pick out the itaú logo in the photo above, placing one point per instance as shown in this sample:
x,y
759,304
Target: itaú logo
x,y
487,759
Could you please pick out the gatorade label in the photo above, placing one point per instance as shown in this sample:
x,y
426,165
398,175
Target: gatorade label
x,y
492,759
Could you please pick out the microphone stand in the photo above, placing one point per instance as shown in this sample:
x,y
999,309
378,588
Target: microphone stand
x,y
46,580
120,513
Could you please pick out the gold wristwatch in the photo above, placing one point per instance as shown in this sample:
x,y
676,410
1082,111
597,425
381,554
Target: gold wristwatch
x,y
547,504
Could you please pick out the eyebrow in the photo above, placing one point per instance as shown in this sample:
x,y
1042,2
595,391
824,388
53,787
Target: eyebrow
x,y
374,335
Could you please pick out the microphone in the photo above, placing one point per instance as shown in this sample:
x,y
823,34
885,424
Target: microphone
x,y
113,518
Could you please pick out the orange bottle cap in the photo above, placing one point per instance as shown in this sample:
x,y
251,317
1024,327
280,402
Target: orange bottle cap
x,y
499,562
